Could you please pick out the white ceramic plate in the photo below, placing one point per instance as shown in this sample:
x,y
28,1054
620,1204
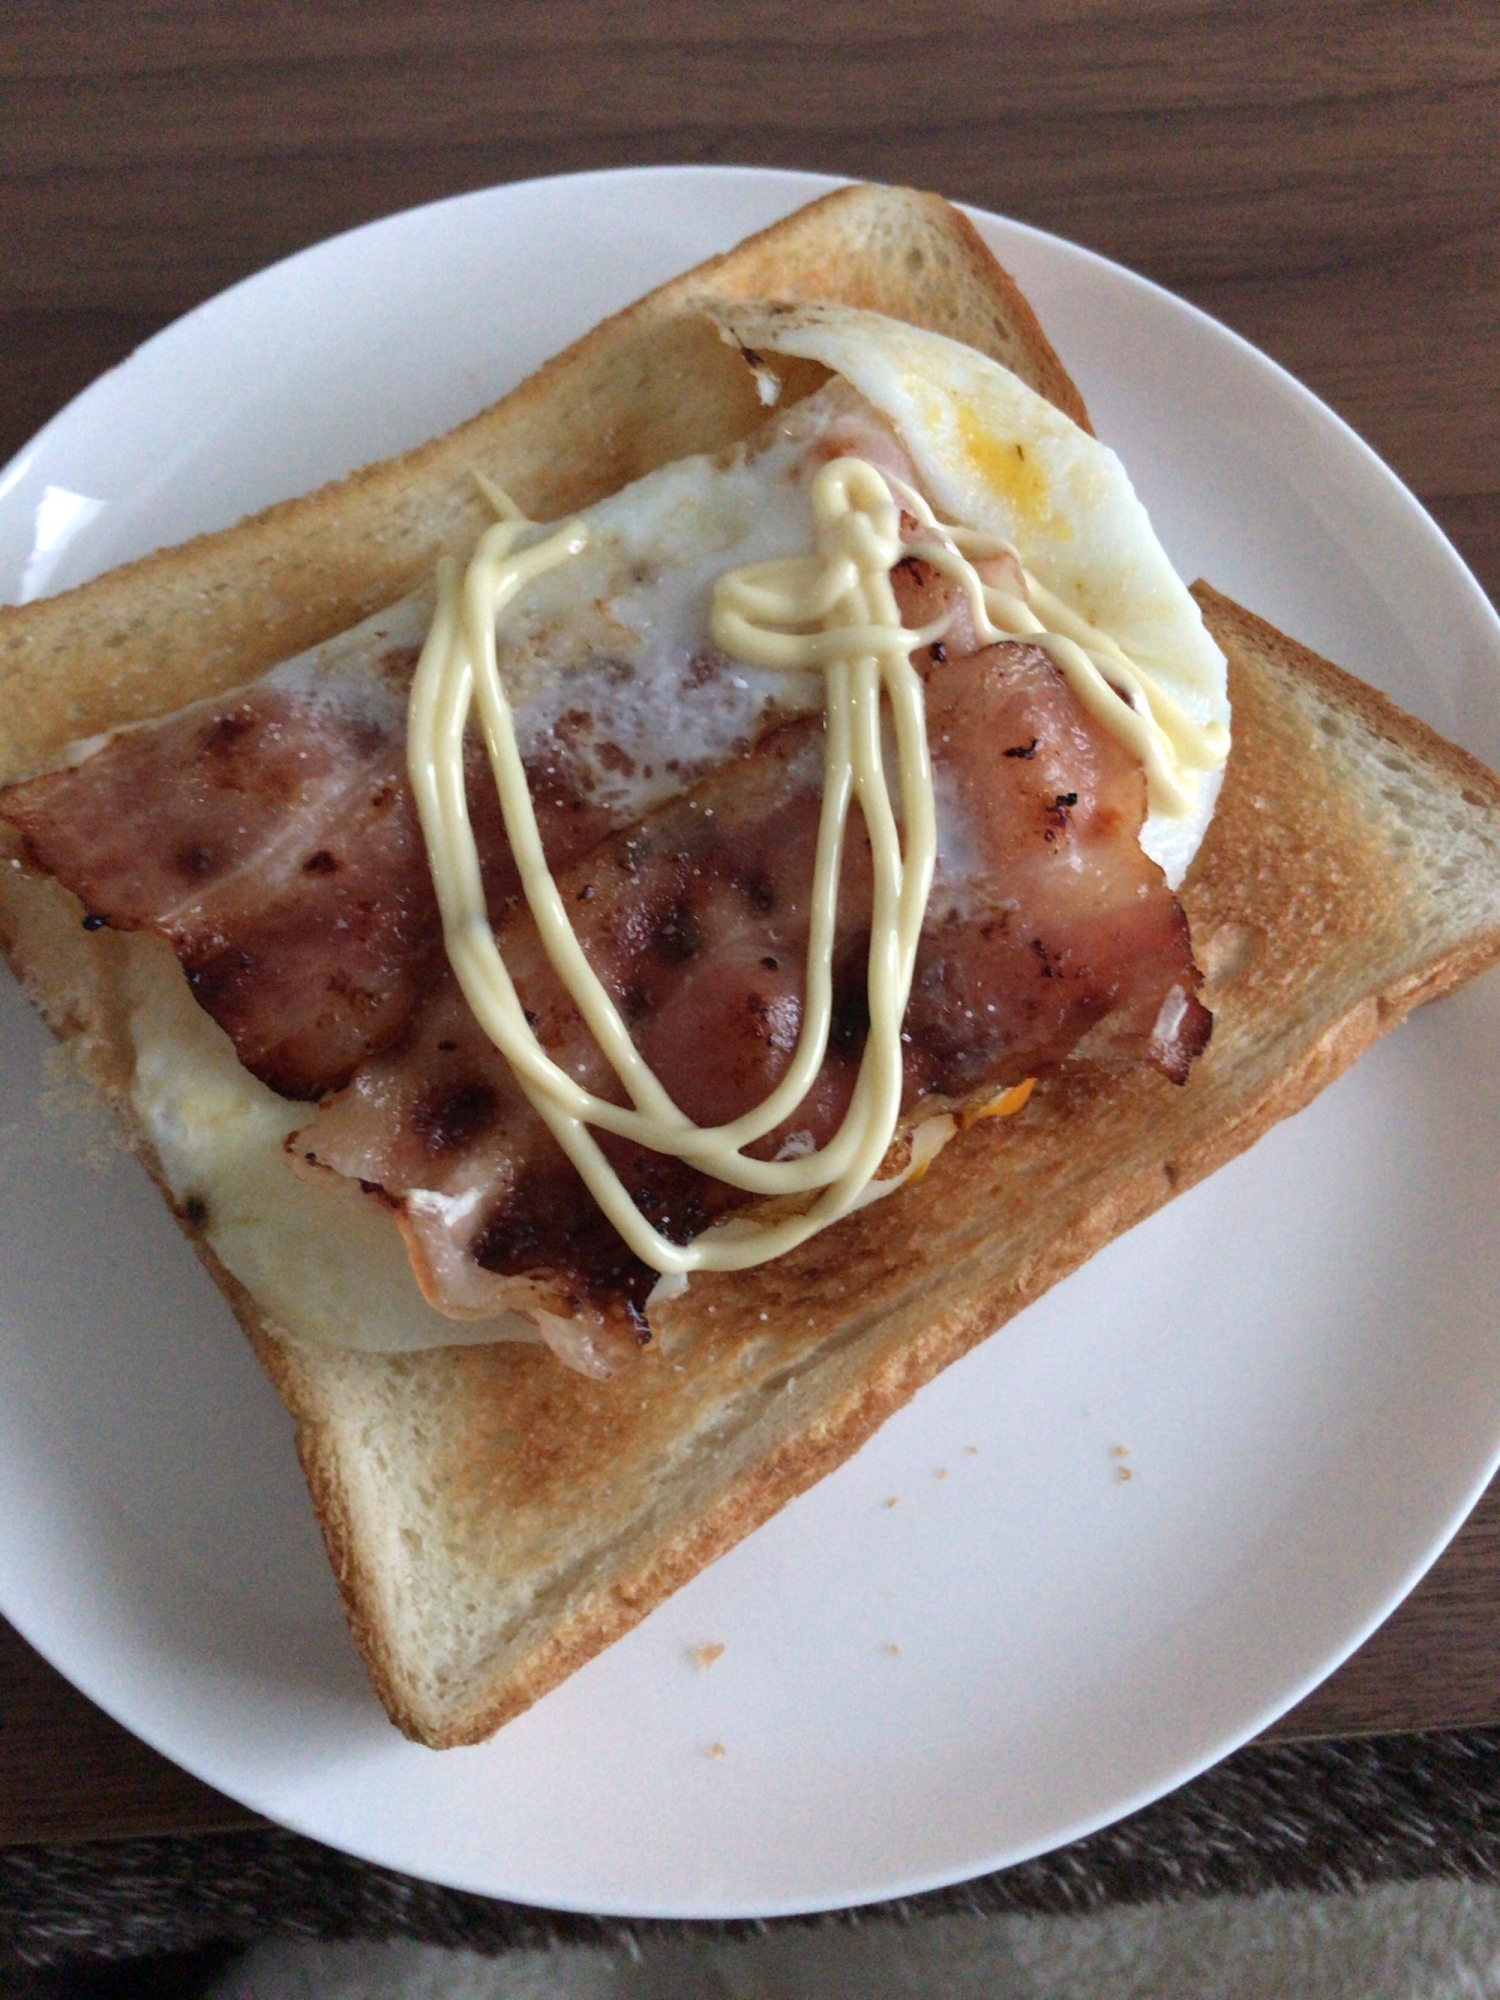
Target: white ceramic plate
x,y
1299,1356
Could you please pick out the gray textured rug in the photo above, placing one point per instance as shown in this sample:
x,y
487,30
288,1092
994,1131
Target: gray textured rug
x,y
1327,1816
1403,1941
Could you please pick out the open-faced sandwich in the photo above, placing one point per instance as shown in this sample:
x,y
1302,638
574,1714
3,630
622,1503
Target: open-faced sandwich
x,y
634,935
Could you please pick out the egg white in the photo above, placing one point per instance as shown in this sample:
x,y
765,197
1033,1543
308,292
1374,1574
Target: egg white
x,y
993,454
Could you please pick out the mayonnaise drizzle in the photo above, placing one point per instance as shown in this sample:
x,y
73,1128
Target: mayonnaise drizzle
x,y
1171,746
834,611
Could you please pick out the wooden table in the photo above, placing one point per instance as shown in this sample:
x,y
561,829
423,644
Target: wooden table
x,y
1326,180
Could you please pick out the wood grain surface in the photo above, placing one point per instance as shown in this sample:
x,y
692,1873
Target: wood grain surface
x,y
1325,179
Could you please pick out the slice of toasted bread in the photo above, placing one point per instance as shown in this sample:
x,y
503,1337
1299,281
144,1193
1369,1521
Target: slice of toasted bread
x,y
494,1520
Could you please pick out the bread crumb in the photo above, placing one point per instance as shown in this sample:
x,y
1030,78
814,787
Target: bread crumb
x,y
716,1750
1123,1472
91,1133
890,1647
941,1473
1119,1451
706,1655
971,1451
892,1501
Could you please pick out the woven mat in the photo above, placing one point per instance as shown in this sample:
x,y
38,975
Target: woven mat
x,y
1311,1816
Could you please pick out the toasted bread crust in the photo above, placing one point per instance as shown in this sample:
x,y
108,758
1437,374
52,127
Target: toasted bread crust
x,y
1322,906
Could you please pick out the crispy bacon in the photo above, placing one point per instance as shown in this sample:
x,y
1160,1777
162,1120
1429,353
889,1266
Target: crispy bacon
x,y
1047,923
271,836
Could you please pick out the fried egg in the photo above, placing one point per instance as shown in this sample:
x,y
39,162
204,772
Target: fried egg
x,y
621,637
993,454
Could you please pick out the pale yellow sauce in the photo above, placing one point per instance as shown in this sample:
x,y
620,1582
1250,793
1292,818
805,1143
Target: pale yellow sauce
x,y
1123,699
835,612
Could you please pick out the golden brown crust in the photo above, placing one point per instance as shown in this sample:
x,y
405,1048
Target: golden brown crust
x,y
1317,909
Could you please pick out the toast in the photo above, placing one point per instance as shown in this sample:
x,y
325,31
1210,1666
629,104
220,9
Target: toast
x,y
494,1520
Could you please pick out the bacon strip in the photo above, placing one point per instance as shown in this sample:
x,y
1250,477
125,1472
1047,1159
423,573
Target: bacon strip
x,y
271,837
1047,923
